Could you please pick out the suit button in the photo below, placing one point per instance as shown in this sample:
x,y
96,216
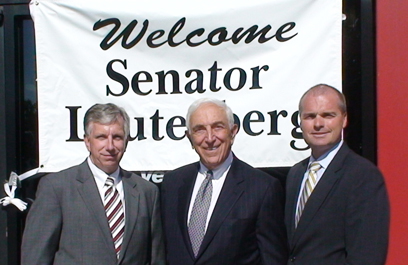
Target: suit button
x,y
292,259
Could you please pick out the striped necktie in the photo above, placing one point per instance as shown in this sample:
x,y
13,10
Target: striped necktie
x,y
310,184
199,212
115,214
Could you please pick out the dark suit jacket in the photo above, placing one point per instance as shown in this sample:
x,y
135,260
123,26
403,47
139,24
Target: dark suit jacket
x,y
67,223
345,220
246,226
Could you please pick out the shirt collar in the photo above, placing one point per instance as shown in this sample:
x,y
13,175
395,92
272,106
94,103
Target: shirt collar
x,y
219,171
325,159
100,174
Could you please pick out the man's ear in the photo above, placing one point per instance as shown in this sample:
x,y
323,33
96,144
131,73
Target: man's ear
x,y
345,121
189,138
126,143
234,131
87,144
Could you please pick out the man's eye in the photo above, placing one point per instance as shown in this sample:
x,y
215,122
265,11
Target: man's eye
x,y
199,130
329,116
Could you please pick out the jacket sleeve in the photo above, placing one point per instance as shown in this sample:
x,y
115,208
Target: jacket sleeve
x,y
43,226
271,232
157,247
367,219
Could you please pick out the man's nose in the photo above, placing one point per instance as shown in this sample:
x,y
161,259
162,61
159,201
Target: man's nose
x,y
109,144
210,135
318,122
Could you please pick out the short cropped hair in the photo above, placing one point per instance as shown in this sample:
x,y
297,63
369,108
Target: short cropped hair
x,y
196,104
321,89
106,114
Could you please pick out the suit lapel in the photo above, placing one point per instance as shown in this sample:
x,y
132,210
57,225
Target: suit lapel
x,y
184,196
231,191
90,195
329,179
132,199
293,187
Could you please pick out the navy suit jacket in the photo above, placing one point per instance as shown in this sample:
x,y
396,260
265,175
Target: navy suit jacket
x,y
345,220
246,226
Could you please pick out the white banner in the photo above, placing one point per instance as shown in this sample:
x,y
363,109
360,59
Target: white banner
x,y
154,58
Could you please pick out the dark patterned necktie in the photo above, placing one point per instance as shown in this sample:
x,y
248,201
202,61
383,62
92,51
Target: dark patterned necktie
x,y
198,217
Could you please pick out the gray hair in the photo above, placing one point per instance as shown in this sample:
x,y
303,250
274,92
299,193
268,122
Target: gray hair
x,y
106,114
196,104
322,89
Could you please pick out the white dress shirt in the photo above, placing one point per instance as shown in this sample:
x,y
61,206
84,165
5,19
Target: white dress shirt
x,y
219,175
100,179
324,162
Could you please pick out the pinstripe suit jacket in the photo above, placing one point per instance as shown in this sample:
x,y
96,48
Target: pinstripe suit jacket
x,y
246,226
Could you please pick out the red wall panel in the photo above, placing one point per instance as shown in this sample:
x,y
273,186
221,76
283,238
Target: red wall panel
x,y
392,99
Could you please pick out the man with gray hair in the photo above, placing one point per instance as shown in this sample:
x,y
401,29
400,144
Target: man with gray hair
x,y
96,212
220,210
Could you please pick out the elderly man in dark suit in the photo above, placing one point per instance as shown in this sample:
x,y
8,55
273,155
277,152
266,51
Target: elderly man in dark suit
x,y
220,210
96,212
337,209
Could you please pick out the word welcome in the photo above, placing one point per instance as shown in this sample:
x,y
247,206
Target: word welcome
x,y
194,38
